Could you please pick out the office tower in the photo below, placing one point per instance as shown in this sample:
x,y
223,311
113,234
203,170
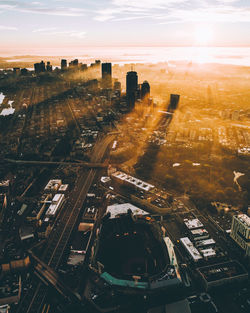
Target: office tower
x,y
145,90
106,75
73,63
131,88
49,67
63,64
174,100
240,231
39,67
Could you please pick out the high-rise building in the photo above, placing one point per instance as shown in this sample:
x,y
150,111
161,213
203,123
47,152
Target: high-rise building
x,y
131,88
74,63
39,67
240,231
107,75
49,67
63,64
145,90
174,101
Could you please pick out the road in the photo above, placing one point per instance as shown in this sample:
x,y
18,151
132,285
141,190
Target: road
x,y
34,300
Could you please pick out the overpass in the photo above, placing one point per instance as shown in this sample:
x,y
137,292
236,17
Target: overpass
x,y
80,164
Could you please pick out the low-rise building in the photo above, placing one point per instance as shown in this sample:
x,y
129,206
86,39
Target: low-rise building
x,y
193,223
190,248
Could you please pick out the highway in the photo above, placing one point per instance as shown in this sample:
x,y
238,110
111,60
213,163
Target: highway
x,y
34,301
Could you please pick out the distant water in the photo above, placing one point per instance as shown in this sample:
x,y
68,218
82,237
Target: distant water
x,y
236,56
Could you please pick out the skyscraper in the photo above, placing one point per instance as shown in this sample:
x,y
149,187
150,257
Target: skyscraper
x,y
49,67
63,64
39,67
131,88
107,75
145,90
174,101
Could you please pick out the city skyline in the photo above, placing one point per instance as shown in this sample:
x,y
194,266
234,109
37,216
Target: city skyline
x,y
60,24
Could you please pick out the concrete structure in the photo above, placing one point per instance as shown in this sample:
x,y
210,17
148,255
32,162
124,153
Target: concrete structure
x,y
222,274
208,253
199,234
55,205
190,248
240,232
53,185
117,209
193,224
205,243
131,255
131,181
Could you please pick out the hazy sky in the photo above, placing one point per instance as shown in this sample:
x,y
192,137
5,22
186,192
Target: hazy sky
x,y
80,23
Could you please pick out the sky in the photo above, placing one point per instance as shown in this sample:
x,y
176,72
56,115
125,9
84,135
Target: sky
x,y
59,24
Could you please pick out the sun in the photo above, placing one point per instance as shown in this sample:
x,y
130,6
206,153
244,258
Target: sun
x,y
203,35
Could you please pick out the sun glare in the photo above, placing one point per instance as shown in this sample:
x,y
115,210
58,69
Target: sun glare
x,y
203,35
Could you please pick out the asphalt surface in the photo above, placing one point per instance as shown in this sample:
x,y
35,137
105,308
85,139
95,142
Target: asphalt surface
x,y
34,300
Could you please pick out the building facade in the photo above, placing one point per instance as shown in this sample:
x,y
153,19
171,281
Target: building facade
x,y
240,232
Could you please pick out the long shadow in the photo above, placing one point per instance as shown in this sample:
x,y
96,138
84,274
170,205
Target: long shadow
x,y
146,163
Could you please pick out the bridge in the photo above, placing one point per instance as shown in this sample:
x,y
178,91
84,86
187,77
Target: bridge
x,y
81,164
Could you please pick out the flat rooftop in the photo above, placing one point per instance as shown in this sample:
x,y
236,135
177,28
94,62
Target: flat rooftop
x,y
193,223
243,218
117,209
222,271
133,181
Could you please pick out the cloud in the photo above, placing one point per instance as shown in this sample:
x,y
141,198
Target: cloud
x,y
36,7
3,27
42,30
147,4
176,11
53,31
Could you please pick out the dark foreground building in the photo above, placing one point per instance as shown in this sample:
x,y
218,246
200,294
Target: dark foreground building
x,y
107,75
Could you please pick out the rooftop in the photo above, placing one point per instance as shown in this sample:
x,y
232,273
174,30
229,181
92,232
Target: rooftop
x,y
243,218
133,181
192,224
117,209
221,271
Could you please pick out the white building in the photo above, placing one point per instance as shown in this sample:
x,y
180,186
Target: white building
x,y
240,231
56,204
193,223
190,248
132,181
